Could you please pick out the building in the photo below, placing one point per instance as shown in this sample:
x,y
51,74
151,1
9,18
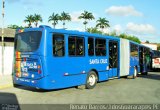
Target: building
x,y
151,45
8,50
8,36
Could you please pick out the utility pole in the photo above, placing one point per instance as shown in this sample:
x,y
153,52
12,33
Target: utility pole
x,y
2,37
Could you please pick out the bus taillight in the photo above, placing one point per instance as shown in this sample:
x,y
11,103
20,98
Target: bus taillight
x,y
21,30
39,72
17,74
24,59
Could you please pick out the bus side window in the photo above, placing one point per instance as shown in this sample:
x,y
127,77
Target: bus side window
x,y
58,45
90,46
75,46
71,46
80,46
134,50
100,47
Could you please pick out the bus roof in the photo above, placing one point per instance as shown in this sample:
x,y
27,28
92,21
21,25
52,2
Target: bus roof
x,y
75,32
133,42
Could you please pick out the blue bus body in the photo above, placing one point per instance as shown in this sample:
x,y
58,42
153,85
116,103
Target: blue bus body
x,y
134,57
49,58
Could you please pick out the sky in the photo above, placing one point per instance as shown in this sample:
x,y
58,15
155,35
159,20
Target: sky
x,y
140,18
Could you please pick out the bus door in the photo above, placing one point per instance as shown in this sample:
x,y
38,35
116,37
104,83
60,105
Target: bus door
x,y
145,59
141,59
113,58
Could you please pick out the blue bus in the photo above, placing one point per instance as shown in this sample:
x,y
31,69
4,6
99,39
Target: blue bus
x,y
49,58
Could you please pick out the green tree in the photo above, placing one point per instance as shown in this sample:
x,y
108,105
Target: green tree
x,y
147,41
113,33
129,37
15,26
124,36
65,17
102,23
37,18
54,18
86,16
29,19
93,30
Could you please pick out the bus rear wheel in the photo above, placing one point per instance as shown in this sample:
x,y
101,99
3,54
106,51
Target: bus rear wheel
x,y
16,85
91,80
145,73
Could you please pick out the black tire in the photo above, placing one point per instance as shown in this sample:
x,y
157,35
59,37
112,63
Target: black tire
x,y
16,85
145,73
135,73
91,80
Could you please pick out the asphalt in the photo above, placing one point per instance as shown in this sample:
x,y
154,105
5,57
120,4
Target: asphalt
x,y
141,90
5,81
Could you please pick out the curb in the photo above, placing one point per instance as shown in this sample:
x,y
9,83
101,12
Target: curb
x,y
6,86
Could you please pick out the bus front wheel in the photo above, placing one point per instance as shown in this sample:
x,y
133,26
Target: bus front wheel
x,y
91,80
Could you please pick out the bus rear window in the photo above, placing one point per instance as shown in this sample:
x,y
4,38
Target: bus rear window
x,y
28,41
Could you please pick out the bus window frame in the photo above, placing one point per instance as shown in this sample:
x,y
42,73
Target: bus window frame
x,y
99,38
64,43
75,51
133,48
93,46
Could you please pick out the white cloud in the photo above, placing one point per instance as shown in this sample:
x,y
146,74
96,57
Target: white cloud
x,y
140,28
118,28
123,11
106,30
75,15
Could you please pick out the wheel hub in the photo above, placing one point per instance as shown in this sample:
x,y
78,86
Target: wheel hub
x,y
92,80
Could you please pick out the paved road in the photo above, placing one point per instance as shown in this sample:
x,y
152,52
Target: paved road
x,y
142,90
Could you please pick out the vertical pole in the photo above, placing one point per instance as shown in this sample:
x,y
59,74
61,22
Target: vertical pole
x,y
3,3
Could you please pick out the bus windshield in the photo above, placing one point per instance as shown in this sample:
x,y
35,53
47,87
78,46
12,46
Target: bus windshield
x,y
28,41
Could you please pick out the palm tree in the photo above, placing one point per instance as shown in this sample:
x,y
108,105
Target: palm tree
x,y
65,17
37,18
86,16
102,23
29,19
54,17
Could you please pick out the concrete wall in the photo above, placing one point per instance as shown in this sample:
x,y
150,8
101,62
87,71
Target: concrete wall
x,y
8,59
